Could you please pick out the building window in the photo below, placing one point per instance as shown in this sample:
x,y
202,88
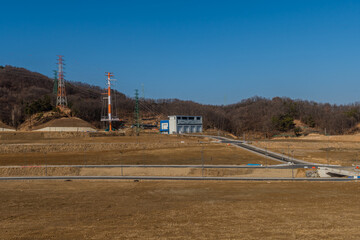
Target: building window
x,y
197,118
178,118
184,118
191,118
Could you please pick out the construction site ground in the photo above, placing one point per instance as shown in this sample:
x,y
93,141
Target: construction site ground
x,y
150,171
31,149
3,125
340,150
178,210
144,209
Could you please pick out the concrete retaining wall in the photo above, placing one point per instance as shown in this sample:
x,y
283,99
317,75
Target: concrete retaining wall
x,y
6,130
66,129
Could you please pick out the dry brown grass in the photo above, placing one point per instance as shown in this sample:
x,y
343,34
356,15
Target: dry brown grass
x,y
80,137
149,171
342,150
147,149
178,210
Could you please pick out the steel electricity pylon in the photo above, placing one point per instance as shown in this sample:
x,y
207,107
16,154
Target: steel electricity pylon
x,y
61,100
136,112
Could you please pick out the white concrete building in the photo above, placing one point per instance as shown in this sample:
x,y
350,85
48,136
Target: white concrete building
x,y
185,124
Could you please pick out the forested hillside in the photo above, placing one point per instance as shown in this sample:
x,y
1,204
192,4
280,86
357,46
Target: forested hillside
x,y
23,93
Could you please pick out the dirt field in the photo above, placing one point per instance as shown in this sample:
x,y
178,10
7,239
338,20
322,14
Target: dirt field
x,y
148,149
183,172
342,150
178,210
3,125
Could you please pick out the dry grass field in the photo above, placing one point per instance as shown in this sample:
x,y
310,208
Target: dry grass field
x,y
178,210
146,149
150,171
343,150
84,209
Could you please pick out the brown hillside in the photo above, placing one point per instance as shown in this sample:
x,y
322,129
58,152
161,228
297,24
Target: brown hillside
x,y
21,91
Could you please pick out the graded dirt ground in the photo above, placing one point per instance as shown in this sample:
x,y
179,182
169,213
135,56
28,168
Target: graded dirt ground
x,y
178,210
3,125
342,150
150,171
65,122
147,149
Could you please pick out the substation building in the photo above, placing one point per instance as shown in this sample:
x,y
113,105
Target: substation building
x,y
178,124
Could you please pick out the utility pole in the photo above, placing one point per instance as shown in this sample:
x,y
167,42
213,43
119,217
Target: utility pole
x,y
202,161
288,151
84,155
292,167
327,151
266,156
357,166
327,155
61,100
45,163
136,113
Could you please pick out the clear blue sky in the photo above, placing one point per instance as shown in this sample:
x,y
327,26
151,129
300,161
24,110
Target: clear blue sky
x,y
212,52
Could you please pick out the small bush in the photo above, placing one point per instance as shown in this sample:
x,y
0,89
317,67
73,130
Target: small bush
x,y
297,131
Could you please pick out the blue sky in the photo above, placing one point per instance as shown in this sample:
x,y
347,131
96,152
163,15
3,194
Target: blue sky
x,y
215,52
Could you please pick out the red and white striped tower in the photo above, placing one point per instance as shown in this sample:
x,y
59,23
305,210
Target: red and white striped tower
x,y
109,116
109,75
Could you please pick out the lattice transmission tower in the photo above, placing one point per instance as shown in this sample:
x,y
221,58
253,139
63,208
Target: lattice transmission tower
x,y
61,100
136,112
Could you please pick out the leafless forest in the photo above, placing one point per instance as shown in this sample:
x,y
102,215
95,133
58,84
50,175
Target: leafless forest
x,y
23,93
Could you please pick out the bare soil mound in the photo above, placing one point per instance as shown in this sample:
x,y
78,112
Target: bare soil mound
x,y
354,130
65,122
3,125
38,119
52,119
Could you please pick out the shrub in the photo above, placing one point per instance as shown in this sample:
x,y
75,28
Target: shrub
x,y
283,123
